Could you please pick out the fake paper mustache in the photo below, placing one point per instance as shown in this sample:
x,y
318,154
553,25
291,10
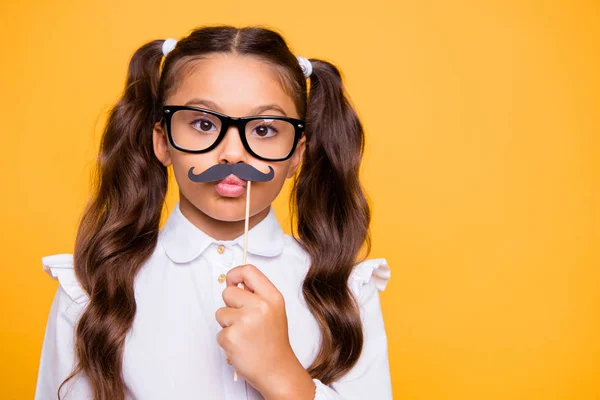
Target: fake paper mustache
x,y
242,170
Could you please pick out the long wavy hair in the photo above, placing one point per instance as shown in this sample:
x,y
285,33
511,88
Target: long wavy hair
x,y
119,228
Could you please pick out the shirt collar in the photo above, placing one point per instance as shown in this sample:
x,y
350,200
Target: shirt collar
x,y
183,241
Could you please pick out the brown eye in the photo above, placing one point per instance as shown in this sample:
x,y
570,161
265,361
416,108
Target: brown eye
x,y
203,125
264,131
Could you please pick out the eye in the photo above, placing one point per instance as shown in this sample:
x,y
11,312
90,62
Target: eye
x,y
203,125
264,131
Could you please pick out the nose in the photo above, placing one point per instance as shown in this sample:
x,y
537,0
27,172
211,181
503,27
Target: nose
x,y
231,149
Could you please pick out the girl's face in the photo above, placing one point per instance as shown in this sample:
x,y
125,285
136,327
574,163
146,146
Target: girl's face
x,y
234,85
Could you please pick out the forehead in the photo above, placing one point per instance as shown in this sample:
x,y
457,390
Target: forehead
x,y
236,83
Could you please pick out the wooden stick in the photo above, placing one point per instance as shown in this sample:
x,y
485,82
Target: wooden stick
x,y
246,226
245,243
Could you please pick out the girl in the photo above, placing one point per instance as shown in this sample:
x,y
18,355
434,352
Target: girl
x,y
143,313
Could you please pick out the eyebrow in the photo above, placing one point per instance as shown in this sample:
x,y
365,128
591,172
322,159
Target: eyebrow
x,y
255,111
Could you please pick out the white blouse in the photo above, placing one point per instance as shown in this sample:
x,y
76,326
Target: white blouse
x,y
171,350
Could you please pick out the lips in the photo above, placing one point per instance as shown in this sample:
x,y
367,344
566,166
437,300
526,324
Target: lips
x,y
233,180
232,186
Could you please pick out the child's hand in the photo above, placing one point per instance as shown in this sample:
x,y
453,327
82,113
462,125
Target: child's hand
x,y
255,336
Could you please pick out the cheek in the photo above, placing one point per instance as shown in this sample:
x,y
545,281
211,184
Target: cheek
x,y
263,193
181,165
268,191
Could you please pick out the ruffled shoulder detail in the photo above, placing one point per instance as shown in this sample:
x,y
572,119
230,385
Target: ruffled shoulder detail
x,y
373,271
323,392
60,267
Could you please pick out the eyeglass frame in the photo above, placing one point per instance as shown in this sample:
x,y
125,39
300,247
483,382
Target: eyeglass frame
x,y
226,123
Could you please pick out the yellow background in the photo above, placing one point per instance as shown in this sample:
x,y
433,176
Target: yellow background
x,y
482,165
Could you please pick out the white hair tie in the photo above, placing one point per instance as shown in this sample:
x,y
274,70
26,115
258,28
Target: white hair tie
x,y
168,45
306,65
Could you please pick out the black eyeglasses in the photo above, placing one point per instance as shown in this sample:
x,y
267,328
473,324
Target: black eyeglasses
x,y
197,130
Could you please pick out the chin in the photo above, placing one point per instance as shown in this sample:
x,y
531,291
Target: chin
x,y
226,211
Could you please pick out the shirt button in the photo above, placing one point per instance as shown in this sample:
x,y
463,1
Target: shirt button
x,y
221,249
221,278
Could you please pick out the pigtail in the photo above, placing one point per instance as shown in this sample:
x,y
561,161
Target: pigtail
x,y
332,219
119,228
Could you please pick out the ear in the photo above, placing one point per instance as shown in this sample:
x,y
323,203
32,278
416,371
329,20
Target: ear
x,y
161,145
296,158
